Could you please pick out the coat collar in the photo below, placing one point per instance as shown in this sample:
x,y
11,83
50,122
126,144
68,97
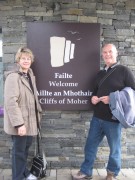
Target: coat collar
x,y
114,65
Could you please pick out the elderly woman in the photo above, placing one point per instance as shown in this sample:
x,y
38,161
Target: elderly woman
x,y
21,111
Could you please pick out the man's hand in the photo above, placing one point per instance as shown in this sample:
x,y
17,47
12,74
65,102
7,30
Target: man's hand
x,y
95,100
104,99
22,131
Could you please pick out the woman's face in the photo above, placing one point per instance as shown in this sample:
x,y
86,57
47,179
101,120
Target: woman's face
x,y
25,62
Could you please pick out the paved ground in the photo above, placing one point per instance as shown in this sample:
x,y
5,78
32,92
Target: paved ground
x,y
66,174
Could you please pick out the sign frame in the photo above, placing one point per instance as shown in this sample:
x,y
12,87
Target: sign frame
x,y
67,57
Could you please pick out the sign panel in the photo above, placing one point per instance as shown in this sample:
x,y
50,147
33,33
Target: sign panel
x,y
67,57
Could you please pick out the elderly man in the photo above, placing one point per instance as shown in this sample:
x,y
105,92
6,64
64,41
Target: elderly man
x,y
112,78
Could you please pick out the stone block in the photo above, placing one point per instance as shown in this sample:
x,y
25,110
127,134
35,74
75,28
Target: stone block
x,y
130,151
11,48
86,115
66,6
109,1
51,115
127,60
42,13
123,17
87,5
35,3
75,11
124,44
87,19
107,7
109,33
105,21
130,4
52,18
37,9
5,8
69,17
8,58
125,32
121,24
105,12
70,115
89,12
12,13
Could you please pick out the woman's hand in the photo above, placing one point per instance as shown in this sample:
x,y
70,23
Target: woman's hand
x,y
22,130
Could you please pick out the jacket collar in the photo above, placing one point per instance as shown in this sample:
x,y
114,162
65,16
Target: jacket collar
x,y
114,65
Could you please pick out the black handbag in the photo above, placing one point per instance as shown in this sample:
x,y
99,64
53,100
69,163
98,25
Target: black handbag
x,y
38,167
39,163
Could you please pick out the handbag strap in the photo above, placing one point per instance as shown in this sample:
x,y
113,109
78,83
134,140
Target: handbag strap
x,y
38,145
106,76
38,137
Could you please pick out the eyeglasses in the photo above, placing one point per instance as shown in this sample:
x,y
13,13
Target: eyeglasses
x,y
25,58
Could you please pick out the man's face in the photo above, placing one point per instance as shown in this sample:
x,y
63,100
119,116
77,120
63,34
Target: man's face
x,y
109,54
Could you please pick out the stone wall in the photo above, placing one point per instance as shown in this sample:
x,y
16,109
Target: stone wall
x,y
64,132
